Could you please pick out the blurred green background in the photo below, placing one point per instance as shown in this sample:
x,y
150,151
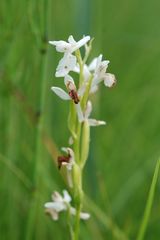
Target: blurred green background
x,y
33,120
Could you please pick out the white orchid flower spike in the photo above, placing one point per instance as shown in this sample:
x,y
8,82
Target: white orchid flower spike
x,y
59,203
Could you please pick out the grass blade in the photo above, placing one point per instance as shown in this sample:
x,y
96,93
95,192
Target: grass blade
x,y
149,203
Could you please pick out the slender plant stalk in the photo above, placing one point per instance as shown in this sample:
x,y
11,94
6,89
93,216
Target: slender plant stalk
x,y
77,223
149,203
78,169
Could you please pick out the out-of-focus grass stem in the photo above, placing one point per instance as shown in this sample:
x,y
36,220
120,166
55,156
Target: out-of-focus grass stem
x,y
39,144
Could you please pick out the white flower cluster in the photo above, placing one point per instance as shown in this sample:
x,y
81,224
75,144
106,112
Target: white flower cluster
x,y
95,70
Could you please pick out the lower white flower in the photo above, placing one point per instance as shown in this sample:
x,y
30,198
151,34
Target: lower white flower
x,y
67,161
71,161
62,203
59,203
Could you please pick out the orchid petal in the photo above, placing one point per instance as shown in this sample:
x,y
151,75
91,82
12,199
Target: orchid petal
x,y
86,73
52,213
93,64
80,43
68,151
69,165
94,122
94,89
69,82
88,109
79,112
96,80
71,40
61,46
81,90
76,69
57,206
70,140
67,197
83,215
56,197
66,64
60,93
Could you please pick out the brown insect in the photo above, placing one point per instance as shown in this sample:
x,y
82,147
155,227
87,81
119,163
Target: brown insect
x,y
73,94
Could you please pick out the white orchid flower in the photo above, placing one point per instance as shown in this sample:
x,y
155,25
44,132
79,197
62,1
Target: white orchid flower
x,y
100,74
97,68
68,162
68,62
92,122
62,203
70,46
59,203
72,94
65,65
71,87
71,162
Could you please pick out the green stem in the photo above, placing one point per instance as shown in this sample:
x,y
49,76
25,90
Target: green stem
x,y
69,223
77,142
77,222
86,94
81,65
80,154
